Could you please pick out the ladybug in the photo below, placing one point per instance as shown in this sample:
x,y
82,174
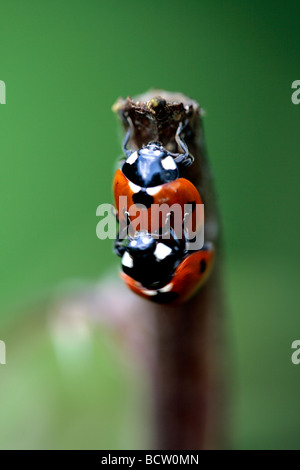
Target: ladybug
x,y
149,178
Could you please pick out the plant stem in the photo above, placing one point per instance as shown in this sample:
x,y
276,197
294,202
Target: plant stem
x,y
187,340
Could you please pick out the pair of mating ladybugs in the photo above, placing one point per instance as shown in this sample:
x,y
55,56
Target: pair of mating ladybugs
x,y
159,268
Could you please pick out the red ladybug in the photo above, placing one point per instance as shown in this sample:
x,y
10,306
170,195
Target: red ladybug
x,y
163,187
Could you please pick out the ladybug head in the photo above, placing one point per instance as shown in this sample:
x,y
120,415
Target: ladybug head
x,y
153,165
151,261
150,166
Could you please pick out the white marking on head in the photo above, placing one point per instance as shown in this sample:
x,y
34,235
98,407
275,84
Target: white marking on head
x,y
134,187
162,251
168,163
153,191
133,243
167,288
127,260
132,158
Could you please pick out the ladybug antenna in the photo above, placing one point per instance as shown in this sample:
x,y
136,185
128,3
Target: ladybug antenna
x,y
128,121
184,159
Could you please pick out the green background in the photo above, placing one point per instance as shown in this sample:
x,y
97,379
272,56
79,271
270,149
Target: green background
x,y
64,64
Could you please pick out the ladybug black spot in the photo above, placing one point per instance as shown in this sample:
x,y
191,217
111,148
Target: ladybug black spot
x,y
202,266
143,198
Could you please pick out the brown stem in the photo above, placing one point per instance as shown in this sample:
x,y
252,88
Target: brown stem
x,y
186,344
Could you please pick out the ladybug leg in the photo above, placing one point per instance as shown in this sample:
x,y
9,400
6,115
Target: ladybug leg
x,y
123,234
168,219
182,159
119,247
125,224
180,242
167,231
185,226
127,135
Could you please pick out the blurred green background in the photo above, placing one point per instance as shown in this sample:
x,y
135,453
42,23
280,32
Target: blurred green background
x,y
64,64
